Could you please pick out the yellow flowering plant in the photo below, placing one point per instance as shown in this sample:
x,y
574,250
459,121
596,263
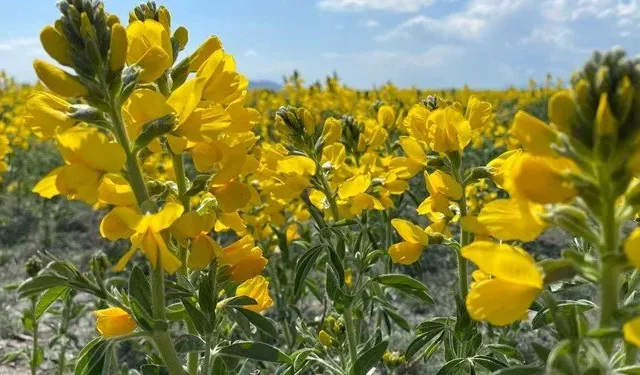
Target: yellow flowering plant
x,y
125,98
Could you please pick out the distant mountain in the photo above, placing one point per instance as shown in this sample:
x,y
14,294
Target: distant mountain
x,y
265,84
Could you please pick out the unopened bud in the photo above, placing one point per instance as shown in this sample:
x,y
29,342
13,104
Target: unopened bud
x,y
584,100
118,50
59,81
56,45
606,129
574,220
623,99
325,338
112,19
33,266
164,17
603,80
182,36
562,111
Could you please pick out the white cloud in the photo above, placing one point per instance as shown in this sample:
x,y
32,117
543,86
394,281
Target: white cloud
x,y
250,53
370,23
471,23
436,56
556,35
399,6
12,44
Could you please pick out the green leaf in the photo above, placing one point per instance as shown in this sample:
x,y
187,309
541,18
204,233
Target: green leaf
x,y
92,358
605,333
36,361
406,285
240,301
453,367
423,340
263,323
521,370
557,270
154,129
48,298
336,263
628,370
399,320
255,350
200,183
140,290
219,367
12,356
368,359
197,317
506,350
488,362
189,343
37,284
303,266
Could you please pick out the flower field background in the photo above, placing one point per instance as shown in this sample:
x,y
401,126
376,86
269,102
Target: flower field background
x,y
158,216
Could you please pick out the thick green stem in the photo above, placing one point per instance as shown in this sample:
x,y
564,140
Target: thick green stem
x,y
351,334
463,276
206,365
163,344
610,272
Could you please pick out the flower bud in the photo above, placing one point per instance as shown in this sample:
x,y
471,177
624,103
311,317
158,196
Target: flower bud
x,y
182,36
603,80
56,45
325,338
573,220
584,100
164,17
606,129
562,111
112,19
118,50
33,266
623,99
59,81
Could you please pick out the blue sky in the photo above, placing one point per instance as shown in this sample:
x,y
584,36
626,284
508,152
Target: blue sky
x,y
424,43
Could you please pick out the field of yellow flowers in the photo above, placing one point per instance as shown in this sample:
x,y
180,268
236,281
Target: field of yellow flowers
x,y
157,216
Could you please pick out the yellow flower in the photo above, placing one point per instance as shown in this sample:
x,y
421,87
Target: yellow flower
x,y
203,250
478,112
149,48
325,339
449,131
114,321
414,150
514,282
83,150
415,241
204,51
221,83
386,116
535,136
297,165
443,184
115,189
244,257
331,131
632,247
631,331
59,81
541,180
145,231
258,289
354,186
46,114
191,224
513,219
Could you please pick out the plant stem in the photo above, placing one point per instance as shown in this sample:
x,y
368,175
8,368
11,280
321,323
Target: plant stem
x,y
463,277
165,348
351,334
34,351
610,272
133,169
206,365
62,332
330,197
181,180
631,353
